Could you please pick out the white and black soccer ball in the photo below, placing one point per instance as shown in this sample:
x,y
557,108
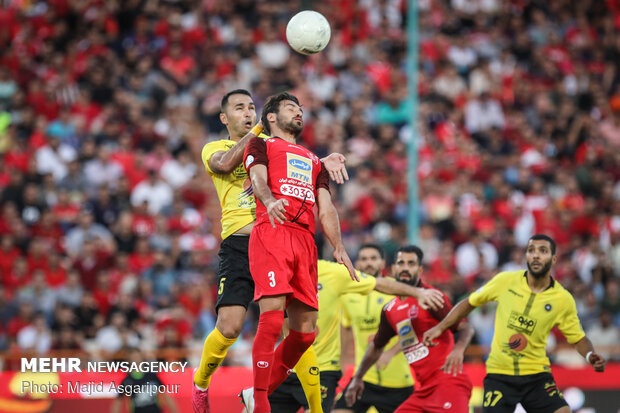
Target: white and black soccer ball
x,y
308,32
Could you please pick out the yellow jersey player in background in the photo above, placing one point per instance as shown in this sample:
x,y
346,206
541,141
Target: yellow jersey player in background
x,y
529,304
223,162
389,383
334,282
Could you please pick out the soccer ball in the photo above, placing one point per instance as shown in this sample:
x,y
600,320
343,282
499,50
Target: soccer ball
x,y
308,32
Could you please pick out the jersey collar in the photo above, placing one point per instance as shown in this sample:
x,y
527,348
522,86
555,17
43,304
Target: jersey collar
x,y
551,284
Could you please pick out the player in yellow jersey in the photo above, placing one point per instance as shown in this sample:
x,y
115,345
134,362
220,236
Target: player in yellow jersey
x,y
389,383
529,304
334,282
223,162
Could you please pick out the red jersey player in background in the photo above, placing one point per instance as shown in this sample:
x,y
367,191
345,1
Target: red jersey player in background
x,y
441,385
287,180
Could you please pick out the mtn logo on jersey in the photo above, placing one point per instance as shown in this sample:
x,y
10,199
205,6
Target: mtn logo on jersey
x,y
406,334
298,168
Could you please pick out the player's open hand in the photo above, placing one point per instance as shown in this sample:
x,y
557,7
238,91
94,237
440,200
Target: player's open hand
x,y
354,392
334,163
430,335
276,211
454,362
430,299
598,362
341,257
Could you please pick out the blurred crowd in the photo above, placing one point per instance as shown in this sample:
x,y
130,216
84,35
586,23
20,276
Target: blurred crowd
x,y
110,226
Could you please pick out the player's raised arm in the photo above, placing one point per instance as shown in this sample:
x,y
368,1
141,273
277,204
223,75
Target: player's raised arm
x,y
224,162
428,299
460,311
328,217
334,163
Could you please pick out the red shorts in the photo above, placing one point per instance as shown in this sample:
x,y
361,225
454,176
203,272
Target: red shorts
x,y
448,394
283,260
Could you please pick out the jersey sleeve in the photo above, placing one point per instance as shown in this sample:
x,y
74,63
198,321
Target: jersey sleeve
x,y
569,325
490,291
365,285
210,149
322,180
255,153
384,333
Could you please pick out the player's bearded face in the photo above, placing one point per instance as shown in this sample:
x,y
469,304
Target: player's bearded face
x,y
406,268
538,269
293,124
406,277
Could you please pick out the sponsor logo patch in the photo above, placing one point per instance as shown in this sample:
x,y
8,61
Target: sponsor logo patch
x,y
298,168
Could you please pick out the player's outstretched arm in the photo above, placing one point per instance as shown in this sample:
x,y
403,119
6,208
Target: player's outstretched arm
x,y
586,349
356,387
328,217
276,208
224,162
460,311
334,163
454,360
427,298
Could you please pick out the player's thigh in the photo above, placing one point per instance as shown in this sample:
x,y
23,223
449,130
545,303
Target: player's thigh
x,y
305,279
499,395
329,383
413,404
271,261
235,286
543,395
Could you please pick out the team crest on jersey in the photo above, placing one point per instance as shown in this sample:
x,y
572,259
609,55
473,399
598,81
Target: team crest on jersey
x,y
298,168
413,311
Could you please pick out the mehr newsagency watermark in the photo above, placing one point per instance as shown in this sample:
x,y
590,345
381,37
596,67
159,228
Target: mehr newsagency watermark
x,y
90,387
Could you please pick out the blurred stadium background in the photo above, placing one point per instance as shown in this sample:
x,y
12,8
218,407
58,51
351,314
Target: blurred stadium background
x,y
109,225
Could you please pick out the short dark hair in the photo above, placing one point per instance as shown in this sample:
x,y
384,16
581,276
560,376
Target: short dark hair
x,y
224,102
273,105
412,249
543,237
372,246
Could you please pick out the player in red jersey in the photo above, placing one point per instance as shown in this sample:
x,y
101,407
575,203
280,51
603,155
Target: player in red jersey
x,y
441,385
287,180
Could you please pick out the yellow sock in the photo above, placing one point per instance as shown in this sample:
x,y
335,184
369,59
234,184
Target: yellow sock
x,y
213,353
307,370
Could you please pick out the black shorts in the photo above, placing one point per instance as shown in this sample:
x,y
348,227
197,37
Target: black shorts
x,y
384,399
235,285
537,393
289,396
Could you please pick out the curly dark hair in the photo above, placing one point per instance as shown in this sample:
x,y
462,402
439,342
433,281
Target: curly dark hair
x,y
273,105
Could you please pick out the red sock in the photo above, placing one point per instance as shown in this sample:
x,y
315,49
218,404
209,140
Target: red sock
x,y
287,355
269,328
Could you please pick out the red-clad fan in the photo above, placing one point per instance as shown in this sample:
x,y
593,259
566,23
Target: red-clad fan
x,y
441,385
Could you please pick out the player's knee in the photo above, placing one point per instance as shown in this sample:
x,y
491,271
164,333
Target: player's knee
x,y
230,324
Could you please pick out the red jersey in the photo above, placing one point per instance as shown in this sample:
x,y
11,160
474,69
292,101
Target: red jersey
x,y
293,173
409,321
